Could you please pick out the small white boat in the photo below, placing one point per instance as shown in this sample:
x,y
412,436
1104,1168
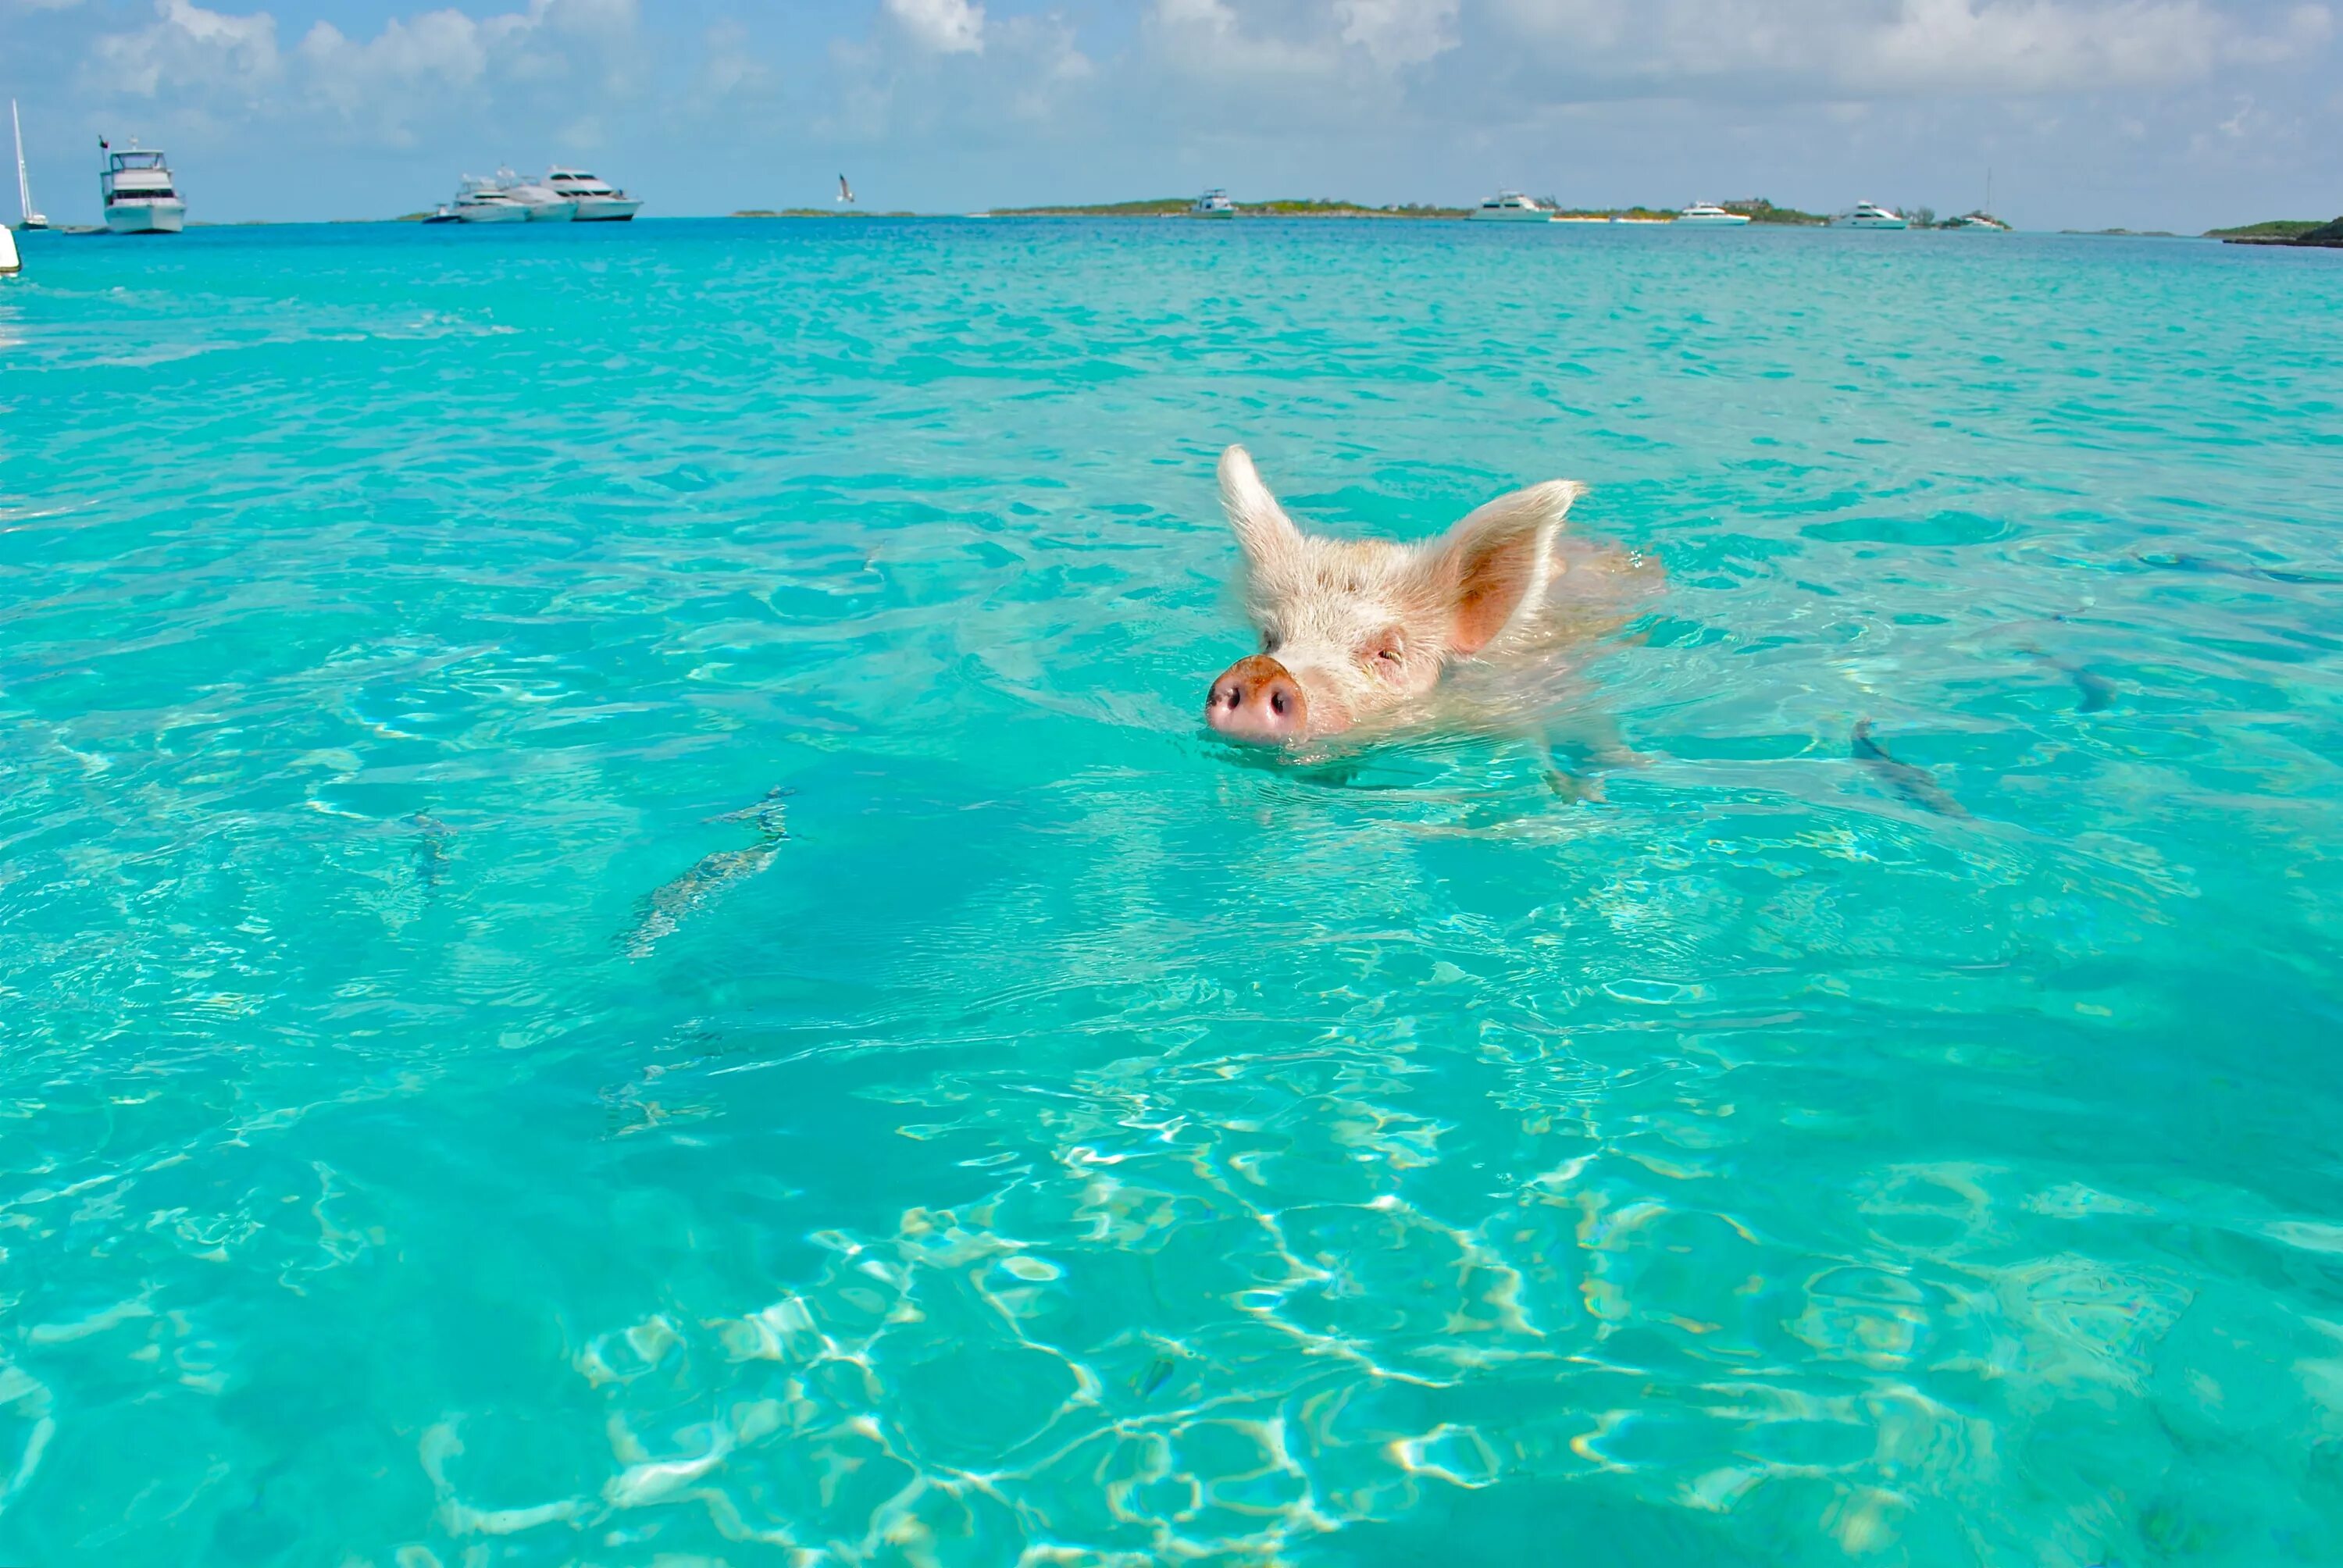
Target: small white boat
x,y
1213,204
1981,222
487,201
1512,207
1870,215
136,192
1708,214
25,217
599,201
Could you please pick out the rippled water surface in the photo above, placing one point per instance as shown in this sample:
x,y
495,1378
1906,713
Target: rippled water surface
x,y
618,943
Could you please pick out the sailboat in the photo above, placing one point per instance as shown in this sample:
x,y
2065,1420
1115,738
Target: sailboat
x,y
1982,218
25,217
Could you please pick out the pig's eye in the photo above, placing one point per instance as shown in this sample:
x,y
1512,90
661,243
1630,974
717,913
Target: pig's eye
x,y
1270,642
1387,653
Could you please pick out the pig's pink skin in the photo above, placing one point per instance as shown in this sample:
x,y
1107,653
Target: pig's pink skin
x,y
1256,699
1354,630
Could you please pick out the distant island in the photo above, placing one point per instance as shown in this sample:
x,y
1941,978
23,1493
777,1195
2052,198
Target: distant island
x,y
1180,206
1758,209
2283,231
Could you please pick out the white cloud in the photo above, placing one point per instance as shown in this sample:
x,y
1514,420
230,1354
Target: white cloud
x,y
437,48
1565,50
1398,33
1870,49
1210,39
419,69
187,45
2036,45
942,26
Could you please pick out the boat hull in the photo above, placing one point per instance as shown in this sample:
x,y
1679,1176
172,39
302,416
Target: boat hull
x,y
9,261
493,212
145,216
553,212
1512,215
1734,221
604,209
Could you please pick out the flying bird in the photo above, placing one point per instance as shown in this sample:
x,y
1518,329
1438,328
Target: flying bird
x,y
845,191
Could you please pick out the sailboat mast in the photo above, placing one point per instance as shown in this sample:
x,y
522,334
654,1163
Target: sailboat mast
x,y
23,185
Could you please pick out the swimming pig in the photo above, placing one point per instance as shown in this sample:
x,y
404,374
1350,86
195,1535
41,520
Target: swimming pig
x,y
1357,631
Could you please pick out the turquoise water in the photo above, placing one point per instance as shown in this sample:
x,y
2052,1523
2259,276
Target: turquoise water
x,y
453,1112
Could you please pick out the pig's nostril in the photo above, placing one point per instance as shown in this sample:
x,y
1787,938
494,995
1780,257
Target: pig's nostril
x,y
1277,701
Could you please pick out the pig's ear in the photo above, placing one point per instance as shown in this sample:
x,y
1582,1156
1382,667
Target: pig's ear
x,y
1499,560
1261,524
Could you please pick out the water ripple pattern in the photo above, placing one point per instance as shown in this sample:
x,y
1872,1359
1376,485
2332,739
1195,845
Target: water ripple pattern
x,y
619,943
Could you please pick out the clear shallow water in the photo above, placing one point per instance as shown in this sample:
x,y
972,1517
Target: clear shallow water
x,y
430,1133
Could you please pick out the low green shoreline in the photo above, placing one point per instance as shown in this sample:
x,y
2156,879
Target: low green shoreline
x,y
2286,231
1759,210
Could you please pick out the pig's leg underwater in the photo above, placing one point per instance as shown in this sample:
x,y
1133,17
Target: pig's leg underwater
x,y
1589,746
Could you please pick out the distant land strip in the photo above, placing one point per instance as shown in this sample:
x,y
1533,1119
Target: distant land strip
x,y
2285,231
1757,209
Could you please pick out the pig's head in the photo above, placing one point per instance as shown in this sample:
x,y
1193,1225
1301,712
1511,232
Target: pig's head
x,y
1354,630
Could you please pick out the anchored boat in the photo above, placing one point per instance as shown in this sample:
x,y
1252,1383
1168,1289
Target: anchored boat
x,y
481,200
600,201
1870,215
1512,207
136,192
1708,214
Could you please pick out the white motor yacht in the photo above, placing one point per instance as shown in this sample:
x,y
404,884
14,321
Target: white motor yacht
x,y
487,201
136,192
545,203
1870,215
25,217
1512,207
1708,214
1213,204
599,201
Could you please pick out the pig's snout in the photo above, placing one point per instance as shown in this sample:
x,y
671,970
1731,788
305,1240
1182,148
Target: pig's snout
x,y
1257,700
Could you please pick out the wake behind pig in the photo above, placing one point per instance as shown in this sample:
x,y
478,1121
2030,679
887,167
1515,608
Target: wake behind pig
x,y
1471,627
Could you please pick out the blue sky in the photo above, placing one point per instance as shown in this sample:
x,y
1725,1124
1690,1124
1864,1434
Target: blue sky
x,y
2173,114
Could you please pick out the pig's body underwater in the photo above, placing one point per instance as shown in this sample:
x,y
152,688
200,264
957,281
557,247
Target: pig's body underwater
x,y
1360,633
